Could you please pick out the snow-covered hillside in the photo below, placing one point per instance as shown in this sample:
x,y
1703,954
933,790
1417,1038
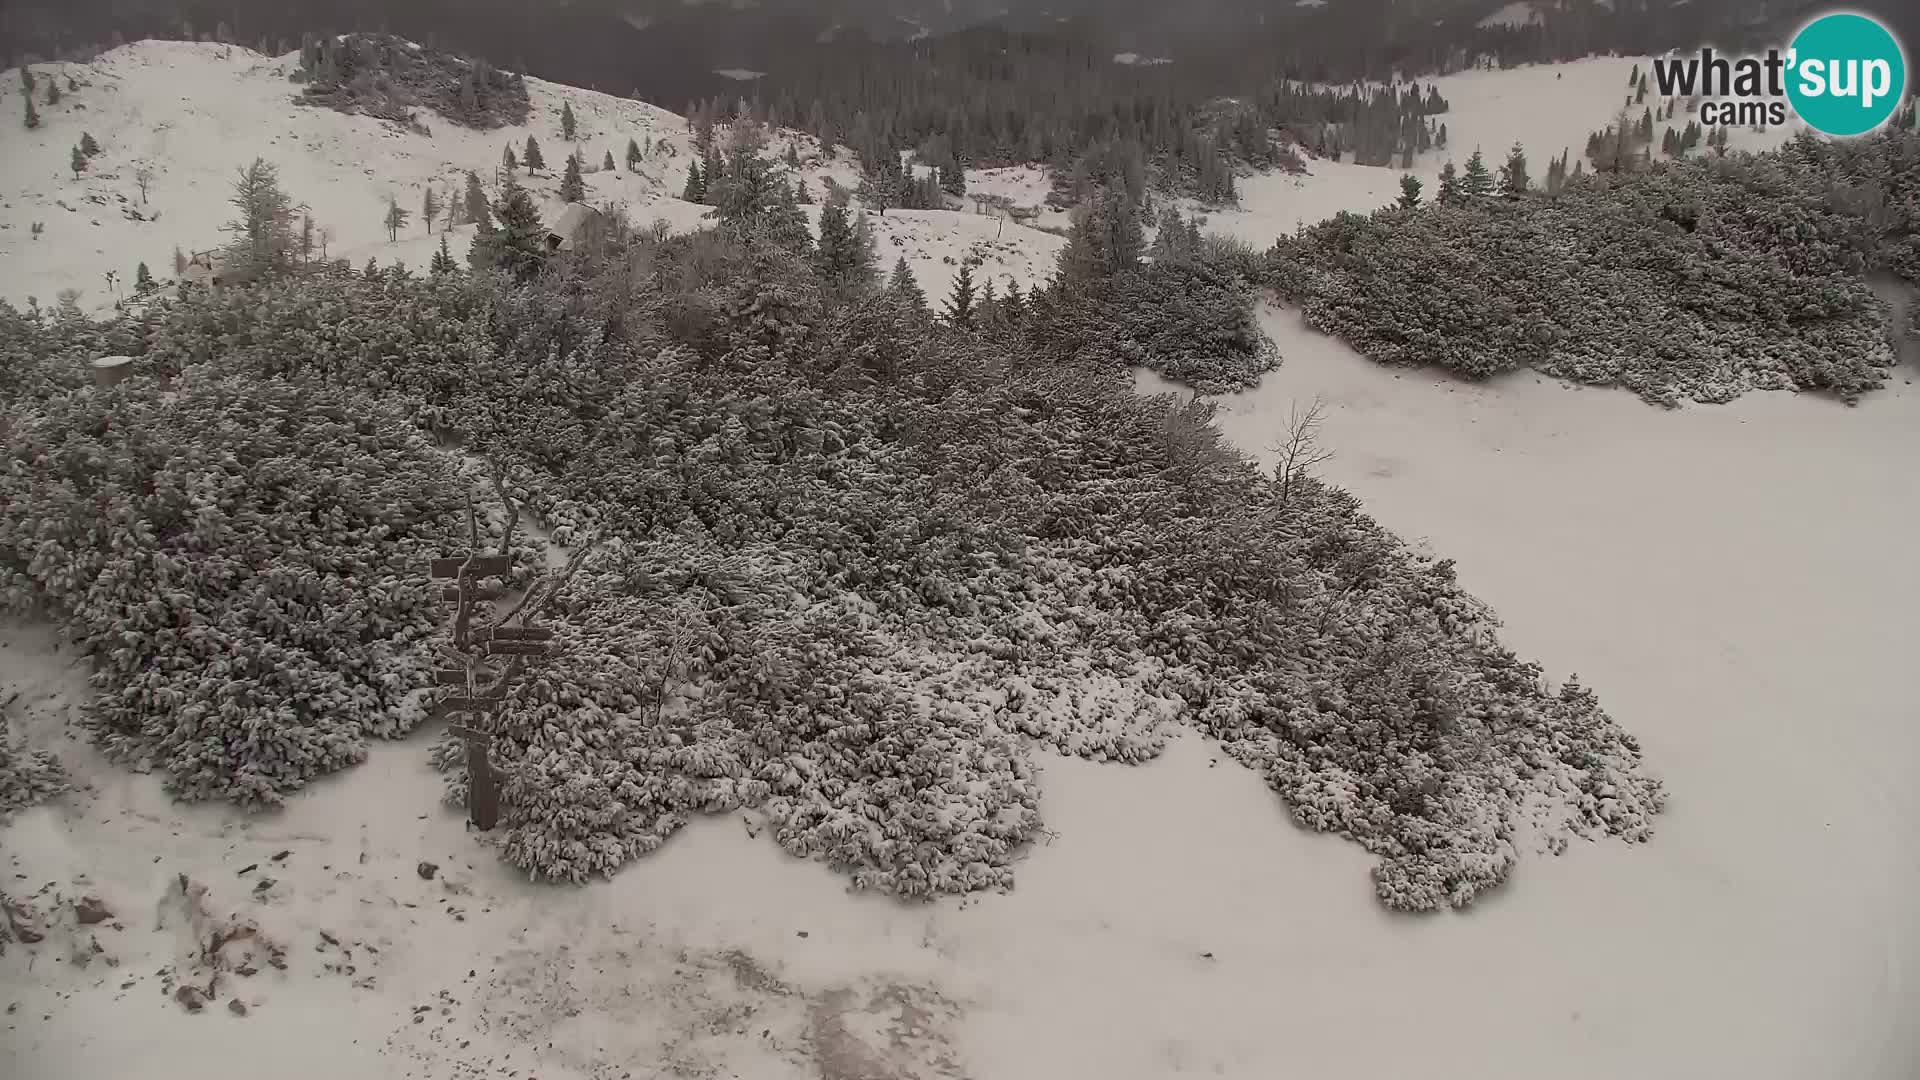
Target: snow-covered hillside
x,y
195,113
1547,109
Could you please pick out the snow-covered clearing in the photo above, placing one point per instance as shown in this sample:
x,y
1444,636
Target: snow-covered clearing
x,y
1547,109
935,241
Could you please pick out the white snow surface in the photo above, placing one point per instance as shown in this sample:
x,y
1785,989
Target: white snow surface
x,y
935,242
1709,572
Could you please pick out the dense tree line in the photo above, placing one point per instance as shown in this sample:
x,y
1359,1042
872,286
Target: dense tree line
x,y
888,546
1240,44
382,75
992,96
1693,279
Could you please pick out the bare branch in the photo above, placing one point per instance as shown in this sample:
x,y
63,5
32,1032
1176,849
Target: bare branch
x,y
578,559
1300,449
498,473
666,674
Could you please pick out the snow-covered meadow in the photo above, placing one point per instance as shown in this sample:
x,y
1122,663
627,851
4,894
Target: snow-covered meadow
x,y
1709,571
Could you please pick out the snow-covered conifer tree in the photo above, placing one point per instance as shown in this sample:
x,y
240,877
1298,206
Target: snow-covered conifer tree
x,y
1476,182
1409,191
264,237
902,287
1514,180
476,200
960,302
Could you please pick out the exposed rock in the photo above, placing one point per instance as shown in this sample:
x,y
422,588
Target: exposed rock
x,y
91,910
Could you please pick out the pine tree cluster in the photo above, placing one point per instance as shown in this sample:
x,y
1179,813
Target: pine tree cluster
x,y
384,76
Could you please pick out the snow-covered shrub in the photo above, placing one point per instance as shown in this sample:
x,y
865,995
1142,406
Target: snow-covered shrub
x,y
27,776
1698,279
847,607
1190,321
850,572
244,561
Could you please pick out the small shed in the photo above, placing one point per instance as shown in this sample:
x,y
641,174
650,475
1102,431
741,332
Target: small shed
x,y
570,226
203,269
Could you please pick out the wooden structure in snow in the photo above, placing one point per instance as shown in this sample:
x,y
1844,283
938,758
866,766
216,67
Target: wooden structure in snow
x,y
481,690
570,226
204,269
108,370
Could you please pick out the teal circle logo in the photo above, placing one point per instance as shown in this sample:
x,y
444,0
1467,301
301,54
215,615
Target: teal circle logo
x,y
1846,75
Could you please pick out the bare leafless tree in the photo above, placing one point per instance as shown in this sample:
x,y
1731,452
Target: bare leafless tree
x,y
1299,451
143,178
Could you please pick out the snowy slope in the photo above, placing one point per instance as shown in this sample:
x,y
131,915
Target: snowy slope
x,y
196,113
934,242
1547,109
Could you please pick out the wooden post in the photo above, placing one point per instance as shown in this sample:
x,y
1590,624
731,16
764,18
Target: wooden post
x,y
483,786
479,691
